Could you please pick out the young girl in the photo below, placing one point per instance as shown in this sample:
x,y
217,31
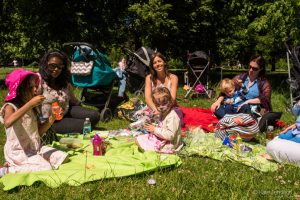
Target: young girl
x,y
165,137
23,151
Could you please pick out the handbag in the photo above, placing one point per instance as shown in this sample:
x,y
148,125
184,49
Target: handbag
x,y
82,68
268,119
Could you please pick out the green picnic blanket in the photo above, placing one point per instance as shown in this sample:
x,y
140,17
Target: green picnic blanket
x,y
207,145
121,159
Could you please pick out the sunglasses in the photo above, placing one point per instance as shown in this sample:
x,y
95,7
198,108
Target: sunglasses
x,y
254,68
53,66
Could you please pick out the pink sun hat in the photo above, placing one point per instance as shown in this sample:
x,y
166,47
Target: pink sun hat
x,y
14,79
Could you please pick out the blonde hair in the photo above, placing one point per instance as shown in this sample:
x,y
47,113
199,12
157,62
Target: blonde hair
x,y
225,84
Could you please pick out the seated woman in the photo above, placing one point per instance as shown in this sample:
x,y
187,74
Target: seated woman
x,y
160,77
259,88
286,147
55,86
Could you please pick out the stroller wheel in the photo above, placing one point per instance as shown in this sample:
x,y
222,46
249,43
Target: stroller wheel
x,y
138,93
106,115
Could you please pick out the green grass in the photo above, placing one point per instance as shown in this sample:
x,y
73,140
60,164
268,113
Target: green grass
x,y
196,178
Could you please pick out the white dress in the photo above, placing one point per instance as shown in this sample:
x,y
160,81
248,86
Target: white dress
x,y
23,151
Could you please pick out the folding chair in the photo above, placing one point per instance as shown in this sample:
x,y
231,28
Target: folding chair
x,y
198,68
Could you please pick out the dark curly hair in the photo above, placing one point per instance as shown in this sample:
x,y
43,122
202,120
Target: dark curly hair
x,y
65,76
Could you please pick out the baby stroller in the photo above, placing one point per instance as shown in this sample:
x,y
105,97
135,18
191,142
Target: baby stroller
x,y
293,73
91,71
198,64
138,67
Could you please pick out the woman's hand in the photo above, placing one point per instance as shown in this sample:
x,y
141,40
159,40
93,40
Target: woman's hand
x,y
239,107
149,127
155,112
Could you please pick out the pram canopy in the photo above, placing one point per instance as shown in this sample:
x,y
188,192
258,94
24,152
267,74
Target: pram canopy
x,y
198,59
295,70
102,73
138,62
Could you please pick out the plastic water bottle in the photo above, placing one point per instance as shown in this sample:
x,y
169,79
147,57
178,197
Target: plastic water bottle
x,y
269,133
56,109
97,145
87,128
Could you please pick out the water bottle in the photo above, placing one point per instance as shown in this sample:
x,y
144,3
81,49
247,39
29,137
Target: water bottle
x,y
97,145
269,133
87,128
56,109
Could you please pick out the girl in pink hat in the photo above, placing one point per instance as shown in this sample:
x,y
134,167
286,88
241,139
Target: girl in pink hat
x,y
23,151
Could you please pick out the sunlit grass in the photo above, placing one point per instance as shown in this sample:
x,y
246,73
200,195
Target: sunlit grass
x,y
196,178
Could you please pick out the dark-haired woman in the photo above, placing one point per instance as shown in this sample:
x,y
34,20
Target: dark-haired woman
x,y
259,88
159,77
55,86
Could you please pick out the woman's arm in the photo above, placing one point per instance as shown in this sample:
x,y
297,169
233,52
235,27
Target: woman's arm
x,y
11,116
293,126
148,95
73,100
265,95
174,86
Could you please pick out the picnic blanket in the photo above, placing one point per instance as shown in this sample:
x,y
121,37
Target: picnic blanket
x,y
202,117
207,145
121,159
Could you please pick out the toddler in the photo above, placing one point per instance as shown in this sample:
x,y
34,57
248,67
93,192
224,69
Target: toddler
x,y
23,151
165,136
234,99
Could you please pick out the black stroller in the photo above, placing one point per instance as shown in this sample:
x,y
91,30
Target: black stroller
x,y
138,67
92,71
294,72
198,64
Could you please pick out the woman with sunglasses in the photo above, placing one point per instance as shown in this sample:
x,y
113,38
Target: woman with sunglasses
x,y
55,86
259,88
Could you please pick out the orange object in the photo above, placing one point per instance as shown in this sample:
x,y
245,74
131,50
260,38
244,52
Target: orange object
x,y
56,109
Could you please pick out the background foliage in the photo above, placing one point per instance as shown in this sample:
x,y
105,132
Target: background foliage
x,y
229,31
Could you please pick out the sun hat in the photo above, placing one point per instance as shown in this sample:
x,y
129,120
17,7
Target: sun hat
x,y
14,79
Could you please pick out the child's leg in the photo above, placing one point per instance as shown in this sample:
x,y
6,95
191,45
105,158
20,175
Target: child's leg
x,y
220,112
287,135
229,109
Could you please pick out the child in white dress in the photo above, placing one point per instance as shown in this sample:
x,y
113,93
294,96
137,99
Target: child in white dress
x,y
165,137
23,151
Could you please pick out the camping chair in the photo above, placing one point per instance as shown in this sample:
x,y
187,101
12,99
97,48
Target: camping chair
x,y
198,67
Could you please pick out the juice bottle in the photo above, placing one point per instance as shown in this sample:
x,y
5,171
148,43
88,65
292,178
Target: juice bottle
x,y
56,109
97,145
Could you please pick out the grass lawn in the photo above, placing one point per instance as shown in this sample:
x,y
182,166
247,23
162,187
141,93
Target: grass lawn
x,y
196,178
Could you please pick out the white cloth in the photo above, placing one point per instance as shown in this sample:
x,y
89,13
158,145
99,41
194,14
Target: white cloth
x,y
284,151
